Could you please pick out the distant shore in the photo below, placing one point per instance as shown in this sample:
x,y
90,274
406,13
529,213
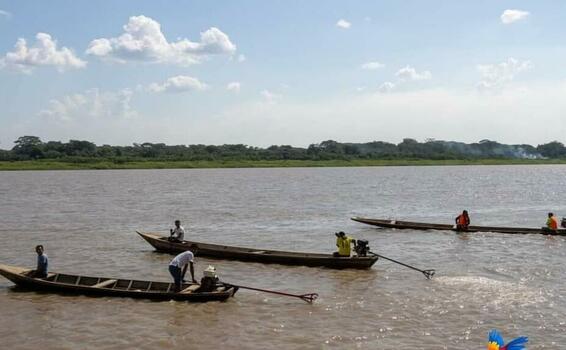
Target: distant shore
x,y
154,164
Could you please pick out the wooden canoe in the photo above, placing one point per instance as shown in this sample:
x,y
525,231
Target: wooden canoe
x,y
60,282
426,226
257,255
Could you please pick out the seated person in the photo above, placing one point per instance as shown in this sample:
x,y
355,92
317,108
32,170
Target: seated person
x,y
463,221
42,263
551,222
343,243
177,234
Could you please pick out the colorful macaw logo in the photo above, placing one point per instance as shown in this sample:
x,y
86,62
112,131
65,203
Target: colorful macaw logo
x,y
495,342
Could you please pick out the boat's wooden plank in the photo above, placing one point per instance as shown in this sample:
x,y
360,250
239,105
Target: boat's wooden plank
x,y
190,289
104,284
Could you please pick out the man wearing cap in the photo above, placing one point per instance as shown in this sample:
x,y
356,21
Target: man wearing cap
x,y
343,243
178,268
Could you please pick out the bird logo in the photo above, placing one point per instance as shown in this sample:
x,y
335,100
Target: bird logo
x,y
495,342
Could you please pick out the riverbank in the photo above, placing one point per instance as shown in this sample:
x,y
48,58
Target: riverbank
x,y
155,164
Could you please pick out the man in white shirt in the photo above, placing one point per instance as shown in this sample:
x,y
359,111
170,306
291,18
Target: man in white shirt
x,y
177,233
178,268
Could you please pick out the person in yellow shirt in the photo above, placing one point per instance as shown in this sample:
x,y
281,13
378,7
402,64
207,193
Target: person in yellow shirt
x,y
343,243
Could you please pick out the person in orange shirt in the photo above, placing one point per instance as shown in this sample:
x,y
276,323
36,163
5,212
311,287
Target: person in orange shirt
x,y
552,222
463,221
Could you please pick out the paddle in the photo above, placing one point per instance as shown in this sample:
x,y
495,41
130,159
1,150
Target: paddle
x,y
428,273
309,297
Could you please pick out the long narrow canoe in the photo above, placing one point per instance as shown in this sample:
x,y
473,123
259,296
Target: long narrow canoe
x,y
60,282
426,226
257,255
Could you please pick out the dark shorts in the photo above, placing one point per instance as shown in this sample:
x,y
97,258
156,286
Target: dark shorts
x,y
40,274
176,273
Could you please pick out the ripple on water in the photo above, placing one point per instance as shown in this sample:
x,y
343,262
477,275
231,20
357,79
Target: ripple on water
x,y
491,292
87,221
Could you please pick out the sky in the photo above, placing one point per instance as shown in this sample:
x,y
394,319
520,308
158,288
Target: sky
x,y
290,72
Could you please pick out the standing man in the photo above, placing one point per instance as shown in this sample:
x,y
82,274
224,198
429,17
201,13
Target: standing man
x,y
552,222
343,243
177,234
178,268
42,263
463,221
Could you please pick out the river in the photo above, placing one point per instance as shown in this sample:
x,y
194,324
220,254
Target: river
x,y
87,220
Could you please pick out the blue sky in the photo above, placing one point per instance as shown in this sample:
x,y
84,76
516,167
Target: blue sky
x,y
282,72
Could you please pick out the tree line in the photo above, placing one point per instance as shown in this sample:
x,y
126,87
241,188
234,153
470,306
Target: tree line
x,y
32,148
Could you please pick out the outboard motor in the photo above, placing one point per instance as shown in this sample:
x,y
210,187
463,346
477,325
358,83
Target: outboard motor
x,y
209,281
362,247
563,223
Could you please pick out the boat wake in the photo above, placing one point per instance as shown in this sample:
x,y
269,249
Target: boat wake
x,y
491,292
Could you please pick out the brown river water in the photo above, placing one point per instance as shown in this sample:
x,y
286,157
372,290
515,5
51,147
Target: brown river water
x,y
87,220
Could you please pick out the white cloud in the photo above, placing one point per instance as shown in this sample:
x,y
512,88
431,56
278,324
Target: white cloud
x,y
342,23
409,73
90,104
506,117
269,96
386,87
143,41
5,14
497,75
404,76
512,16
43,53
234,86
432,113
63,109
372,65
180,83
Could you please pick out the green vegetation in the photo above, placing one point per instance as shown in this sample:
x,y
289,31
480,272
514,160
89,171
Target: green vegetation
x,y
150,164
30,153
